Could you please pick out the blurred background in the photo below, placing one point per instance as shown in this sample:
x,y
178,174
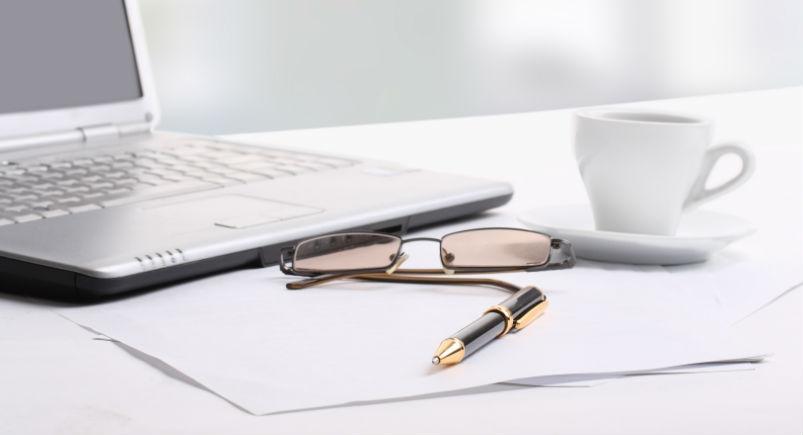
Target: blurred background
x,y
226,66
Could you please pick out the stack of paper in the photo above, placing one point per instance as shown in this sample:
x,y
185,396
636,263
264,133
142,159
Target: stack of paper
x,y
267,349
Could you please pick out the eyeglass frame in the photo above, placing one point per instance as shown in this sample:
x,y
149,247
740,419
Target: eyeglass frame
x,y
558,247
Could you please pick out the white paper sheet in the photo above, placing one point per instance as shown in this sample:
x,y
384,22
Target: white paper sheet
x,y
268,349
559,381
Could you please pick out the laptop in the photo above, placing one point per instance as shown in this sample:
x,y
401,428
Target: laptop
x,y
94,202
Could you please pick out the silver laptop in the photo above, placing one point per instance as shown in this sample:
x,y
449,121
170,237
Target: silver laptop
x,y
94,202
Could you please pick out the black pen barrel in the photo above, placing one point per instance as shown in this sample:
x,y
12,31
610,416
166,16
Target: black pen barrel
x,y
481,331
522,300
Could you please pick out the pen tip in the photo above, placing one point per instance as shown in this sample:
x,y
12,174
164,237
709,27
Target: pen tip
x,y
450,351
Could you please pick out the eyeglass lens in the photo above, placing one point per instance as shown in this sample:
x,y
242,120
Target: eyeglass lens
x,y
348,251
491,247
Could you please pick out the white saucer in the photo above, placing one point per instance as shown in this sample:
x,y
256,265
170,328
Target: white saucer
x,y
701,233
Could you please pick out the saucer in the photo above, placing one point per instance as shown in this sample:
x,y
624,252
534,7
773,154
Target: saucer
x,y
700,234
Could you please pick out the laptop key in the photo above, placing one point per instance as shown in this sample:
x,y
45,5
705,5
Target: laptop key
x,y
83,162
84,207
97,169
100,186
115,174
42,205
16,209
24,198
51,175
75,172
51,193
77,189
67,200
122,165
27,218
91,196
54,213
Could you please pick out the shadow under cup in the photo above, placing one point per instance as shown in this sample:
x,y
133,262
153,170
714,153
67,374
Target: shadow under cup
x,y
639,167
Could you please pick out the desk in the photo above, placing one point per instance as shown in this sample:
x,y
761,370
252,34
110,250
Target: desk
x,y
55,379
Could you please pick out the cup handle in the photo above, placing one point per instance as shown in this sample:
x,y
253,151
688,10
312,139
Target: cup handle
x,y
699,193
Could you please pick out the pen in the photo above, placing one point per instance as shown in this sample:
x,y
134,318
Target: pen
x,y
512,314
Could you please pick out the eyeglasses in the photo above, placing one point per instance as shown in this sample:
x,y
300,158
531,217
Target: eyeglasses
x,y
378,256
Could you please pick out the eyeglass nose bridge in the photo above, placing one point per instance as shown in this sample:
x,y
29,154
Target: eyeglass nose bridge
x,y
421,239
444,254
446,257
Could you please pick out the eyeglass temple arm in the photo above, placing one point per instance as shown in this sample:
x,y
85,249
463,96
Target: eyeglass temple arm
x,y
323,279
438,280
394,274
402,278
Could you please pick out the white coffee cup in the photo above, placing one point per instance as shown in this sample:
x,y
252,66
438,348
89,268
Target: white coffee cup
x,y
643,169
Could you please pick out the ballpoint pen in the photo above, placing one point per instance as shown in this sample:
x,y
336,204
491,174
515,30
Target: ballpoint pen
x,y
512,314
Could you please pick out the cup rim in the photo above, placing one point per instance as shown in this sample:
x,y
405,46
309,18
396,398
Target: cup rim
x,y
672,118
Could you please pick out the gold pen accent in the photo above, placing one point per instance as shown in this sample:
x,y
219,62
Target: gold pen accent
x,y
505,312
451,351
531,314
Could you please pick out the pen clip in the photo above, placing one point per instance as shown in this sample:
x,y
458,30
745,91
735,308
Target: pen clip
x,y
530,315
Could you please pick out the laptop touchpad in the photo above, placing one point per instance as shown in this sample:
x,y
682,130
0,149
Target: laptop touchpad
x,y
229,211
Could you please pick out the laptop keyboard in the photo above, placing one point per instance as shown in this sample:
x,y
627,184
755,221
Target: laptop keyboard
x,y
41,190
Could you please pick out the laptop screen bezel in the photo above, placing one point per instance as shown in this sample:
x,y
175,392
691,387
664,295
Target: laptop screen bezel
x,y
142,109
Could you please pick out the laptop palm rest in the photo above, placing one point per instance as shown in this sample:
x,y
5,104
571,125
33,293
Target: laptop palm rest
x,y
227,211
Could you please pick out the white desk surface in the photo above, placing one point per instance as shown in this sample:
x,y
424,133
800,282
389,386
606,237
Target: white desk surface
x,y
55,379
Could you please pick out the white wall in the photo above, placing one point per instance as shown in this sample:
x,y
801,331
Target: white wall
x,y
249,65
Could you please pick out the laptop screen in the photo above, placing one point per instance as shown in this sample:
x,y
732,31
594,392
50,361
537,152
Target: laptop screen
x,y
58,54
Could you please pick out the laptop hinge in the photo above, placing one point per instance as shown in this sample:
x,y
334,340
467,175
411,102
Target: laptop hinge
x,y
99,133
88,134
112,132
